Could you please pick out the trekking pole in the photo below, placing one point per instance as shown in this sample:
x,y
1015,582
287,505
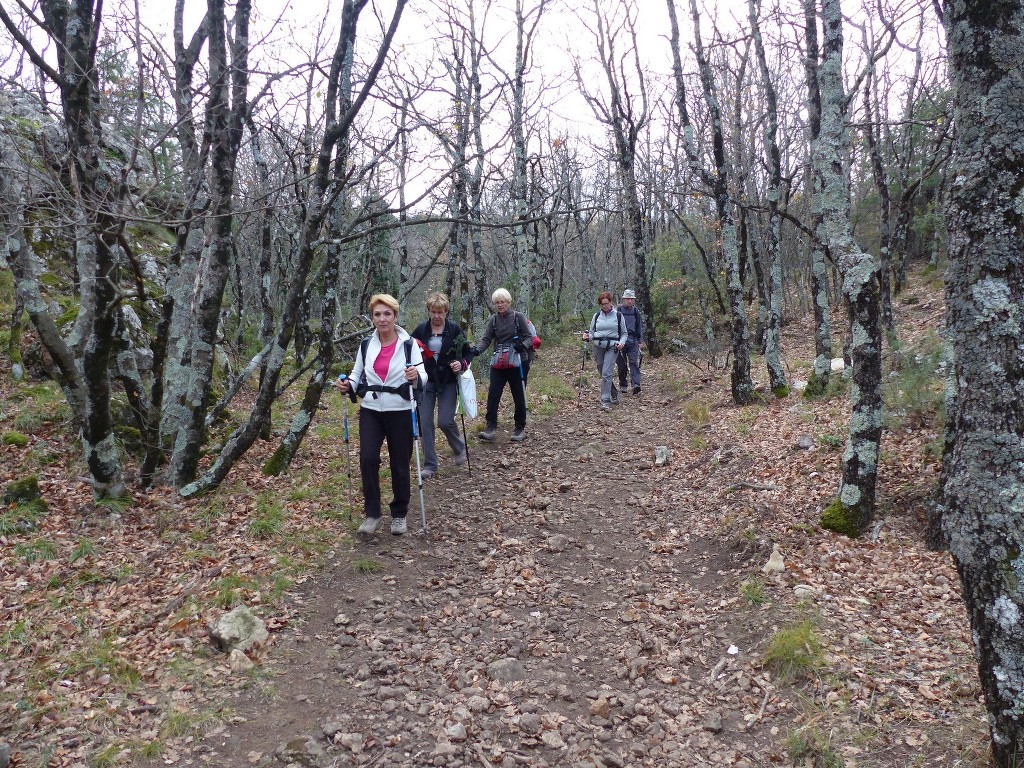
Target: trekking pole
x,y
348,454
465,435
419,472
522,376
579,381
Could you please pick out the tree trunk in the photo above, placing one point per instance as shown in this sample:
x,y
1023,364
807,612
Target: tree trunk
x,y
227,107
851,513
818,383
336,133
983,477
98,197
773,321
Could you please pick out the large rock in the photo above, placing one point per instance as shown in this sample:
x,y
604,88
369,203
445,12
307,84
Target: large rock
x,y
239,629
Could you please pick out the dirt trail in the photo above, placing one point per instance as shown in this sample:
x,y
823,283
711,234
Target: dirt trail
x,y
547,618
575,605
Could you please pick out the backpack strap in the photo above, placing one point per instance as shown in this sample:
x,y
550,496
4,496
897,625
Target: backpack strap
x,y
405,390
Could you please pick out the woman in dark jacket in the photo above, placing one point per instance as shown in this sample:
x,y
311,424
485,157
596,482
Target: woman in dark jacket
x,y
446,354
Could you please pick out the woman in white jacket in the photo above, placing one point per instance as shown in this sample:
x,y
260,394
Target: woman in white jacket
x,y
386,371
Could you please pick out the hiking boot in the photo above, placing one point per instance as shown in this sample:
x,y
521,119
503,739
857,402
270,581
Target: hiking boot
x,y
606,406
622,385
398,526
426,474
371,525
615,401
489,435
519,435
636,390
460,459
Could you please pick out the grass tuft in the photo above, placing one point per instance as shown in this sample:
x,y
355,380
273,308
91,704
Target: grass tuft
x,y
795,652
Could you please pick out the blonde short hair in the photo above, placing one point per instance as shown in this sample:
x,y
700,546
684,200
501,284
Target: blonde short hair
x,y
438,301
386,299
501,295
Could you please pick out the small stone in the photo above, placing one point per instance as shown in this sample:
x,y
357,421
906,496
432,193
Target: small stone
x,y
558,543
804,591
506,670
552,740
713,722
600,707
445,749
457,732
239,662
530,724
775,562
239,628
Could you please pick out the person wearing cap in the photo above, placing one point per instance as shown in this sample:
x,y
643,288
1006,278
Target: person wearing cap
x,y
630,354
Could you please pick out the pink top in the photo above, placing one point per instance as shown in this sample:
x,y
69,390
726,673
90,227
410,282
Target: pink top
x,y
383,360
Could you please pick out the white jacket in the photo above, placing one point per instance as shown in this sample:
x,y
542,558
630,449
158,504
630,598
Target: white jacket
x,y
386,401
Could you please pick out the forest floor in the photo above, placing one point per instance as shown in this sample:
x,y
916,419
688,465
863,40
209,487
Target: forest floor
x,y
571,604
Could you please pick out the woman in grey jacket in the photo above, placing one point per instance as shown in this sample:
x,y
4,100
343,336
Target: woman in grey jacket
x,y
507,329
385,372
608,335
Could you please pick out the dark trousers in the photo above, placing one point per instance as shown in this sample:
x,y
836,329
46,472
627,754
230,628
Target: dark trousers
x,y
629,356
374,428
499,378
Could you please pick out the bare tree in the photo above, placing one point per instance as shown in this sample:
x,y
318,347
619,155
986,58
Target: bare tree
x,y
327,184
96,199
773,326
717,180
818,381
624,113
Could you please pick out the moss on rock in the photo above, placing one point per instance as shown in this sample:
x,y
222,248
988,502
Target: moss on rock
x,y
275,465
15,438
22,491
816,386
844,520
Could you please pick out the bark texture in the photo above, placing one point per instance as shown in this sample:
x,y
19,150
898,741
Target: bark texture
x,y
983,482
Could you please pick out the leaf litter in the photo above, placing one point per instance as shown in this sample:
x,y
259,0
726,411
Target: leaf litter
x,y
571,604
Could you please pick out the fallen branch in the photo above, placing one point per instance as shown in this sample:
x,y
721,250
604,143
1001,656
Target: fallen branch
x,y
751,486
190,589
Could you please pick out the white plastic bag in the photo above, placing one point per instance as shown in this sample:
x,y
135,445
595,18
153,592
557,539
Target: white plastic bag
x,y
467,393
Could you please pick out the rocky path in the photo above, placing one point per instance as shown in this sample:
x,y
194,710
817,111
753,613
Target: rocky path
x,y
547,618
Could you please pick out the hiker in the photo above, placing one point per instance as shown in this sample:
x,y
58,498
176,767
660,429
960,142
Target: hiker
x,y
446,354
629,357
388,367
607,335
508,330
